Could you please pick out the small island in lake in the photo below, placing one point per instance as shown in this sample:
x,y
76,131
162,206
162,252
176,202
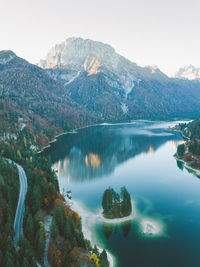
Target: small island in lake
x,y
116,205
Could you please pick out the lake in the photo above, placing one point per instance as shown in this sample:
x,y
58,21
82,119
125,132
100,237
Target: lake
x,y
138,155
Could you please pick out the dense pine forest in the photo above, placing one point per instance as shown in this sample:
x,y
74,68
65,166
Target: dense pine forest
x,y
68,246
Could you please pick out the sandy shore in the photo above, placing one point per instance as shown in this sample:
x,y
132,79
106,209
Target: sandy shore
x,y
118,220
150,227
88,220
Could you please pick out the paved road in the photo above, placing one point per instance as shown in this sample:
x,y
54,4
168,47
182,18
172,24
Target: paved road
x,y
47,224
18,222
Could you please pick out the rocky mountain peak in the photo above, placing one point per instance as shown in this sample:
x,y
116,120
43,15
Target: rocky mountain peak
x,y
74,51
153,68
78,54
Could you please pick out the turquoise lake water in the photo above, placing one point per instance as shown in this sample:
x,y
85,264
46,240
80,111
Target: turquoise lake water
x,y
140,156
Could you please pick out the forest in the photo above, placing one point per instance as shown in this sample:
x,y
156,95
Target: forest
x,y
67,242
67,246
116,205
190,150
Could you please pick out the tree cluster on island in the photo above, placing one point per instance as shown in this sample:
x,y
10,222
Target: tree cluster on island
x,y
116,205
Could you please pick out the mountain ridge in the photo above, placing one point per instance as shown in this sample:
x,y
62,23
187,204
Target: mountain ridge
x,y
29,94
97,77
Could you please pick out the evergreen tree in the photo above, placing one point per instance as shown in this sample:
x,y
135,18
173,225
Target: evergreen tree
x,y
104,259
59,215
40,247
126,206
180,150
29,228
95,250
9,260
107,201
80,240
54,229
25,263
1,258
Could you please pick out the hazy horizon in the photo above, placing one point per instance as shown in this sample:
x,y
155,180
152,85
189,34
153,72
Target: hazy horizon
x,y
148,33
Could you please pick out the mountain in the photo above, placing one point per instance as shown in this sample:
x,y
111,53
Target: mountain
x,y
30,98
188,72
114,88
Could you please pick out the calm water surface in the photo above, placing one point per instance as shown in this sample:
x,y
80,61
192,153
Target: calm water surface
x,y
139,156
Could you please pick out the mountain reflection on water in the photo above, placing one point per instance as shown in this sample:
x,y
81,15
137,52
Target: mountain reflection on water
x,y
164,194
96,151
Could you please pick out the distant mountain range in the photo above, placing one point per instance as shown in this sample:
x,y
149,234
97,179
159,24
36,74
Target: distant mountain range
x,y
114,88
188,72
84,82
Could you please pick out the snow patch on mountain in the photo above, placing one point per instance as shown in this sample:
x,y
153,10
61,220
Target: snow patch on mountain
x,y
73,77
124,108
66,77
128,84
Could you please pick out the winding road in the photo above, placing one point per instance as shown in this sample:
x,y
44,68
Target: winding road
x,y
47,224
18,222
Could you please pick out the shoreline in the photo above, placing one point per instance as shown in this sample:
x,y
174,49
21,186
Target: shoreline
x,y
88,220
187,166
74,131
118,220
183,136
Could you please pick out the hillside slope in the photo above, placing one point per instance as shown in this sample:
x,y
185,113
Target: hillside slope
x,y
30,98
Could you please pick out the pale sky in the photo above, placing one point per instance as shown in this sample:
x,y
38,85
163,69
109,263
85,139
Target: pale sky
x,y
164,33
